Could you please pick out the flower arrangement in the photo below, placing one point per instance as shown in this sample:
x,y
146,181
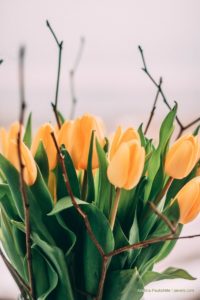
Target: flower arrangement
x,y
86,217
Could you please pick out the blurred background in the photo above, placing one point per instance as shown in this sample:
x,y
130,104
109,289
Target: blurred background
x,y
109,80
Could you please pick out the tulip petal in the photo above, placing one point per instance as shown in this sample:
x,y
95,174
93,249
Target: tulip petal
x,y
118,168
136,164
115,142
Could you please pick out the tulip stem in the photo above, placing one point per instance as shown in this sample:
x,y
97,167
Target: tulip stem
x,y
164,190
114,208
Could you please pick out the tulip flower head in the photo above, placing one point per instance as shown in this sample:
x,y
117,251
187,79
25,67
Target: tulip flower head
x,y
44,135
182,156
189,200
127,158
76,136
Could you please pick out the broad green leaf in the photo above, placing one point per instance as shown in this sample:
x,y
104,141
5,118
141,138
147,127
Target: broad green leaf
x,y
169,273
71,172
42,161
123,285
104,192
166,131
87,257
118,261
28,132
133,238
56,258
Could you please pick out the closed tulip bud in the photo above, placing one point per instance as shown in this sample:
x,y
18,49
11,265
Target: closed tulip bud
x,y
81,133
30,169
44,135
65,135
6,137
189,200
182,156
127,158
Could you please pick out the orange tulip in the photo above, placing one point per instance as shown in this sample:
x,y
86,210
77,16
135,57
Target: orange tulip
x,y
76,136
127,158
30,169
44,135
189,200
6,137
182,156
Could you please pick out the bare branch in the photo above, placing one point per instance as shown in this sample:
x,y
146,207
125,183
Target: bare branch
x,y
72,75
154,107
22,184
60,47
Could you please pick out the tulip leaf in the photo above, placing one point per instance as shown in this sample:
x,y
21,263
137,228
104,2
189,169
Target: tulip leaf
x,y
28,132
133,238
56,258
42,161
87,257
61,117
90,180
123,285
166,131
118,261
105,188
196,131
169,273
142,136
71,172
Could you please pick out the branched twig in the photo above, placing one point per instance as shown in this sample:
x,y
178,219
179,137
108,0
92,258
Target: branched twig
x,y
22,184
72,75
154,107
60,46
24,288
160,90
163,217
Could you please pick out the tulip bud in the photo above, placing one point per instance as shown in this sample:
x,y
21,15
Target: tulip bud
x,y
189,200
30,169
127,158
44,135
6,137
182,156
77,138
3,141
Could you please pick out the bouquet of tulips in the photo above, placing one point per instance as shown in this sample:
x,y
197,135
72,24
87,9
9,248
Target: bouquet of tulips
x,y
87,217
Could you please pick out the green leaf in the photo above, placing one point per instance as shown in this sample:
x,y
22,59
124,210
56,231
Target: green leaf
x,y
57,259
123,285
90,180
133,238
142,136
61,117
28,132
169,273
71,172
166,131
196,131
104,192
42,161
87,257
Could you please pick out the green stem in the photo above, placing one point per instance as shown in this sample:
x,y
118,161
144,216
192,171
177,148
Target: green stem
x,y
114,209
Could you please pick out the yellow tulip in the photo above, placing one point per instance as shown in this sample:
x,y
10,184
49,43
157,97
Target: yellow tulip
x,y
189,200
6,137
76,136
30,169
182,156
44,135
127,158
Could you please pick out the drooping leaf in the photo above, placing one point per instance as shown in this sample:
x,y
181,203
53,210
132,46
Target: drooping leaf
x,y
169,273
123,285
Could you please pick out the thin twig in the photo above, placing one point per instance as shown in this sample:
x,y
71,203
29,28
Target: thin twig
x,y
159,87
162,217
19,280
167,237
22,184
60,47
153,108
102,278
72,75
